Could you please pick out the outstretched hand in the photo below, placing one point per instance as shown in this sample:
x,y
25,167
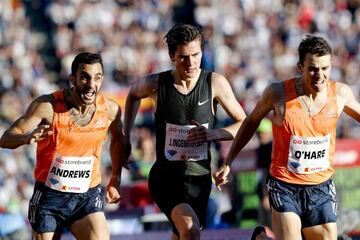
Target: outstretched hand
x,y
39,133
221,176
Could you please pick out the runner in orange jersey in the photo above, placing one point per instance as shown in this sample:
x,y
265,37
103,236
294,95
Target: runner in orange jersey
x,y
69,127
305,112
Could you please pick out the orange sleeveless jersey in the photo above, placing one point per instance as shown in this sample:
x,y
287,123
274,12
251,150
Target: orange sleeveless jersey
x,y
297,122
69,139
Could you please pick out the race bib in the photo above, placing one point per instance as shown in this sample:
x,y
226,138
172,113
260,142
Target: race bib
x,y
178,148
70,174
309,154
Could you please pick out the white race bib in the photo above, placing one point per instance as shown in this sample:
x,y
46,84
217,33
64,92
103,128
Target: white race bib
x,y
178,148
70,174
309,154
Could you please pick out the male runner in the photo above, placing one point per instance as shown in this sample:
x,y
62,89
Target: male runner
x,y
69,127
305,112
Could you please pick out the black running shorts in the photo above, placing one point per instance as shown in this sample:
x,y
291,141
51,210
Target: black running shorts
x,y
168,188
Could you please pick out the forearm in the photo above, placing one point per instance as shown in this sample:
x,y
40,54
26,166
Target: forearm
x,y
131,108
243,136
116,153
13,139
226,133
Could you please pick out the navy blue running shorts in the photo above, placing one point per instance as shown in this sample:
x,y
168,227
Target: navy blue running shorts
x,y
314,204
54,211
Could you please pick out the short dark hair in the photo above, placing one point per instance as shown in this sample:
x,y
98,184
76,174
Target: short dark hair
x,y
87,58
313,45
182,34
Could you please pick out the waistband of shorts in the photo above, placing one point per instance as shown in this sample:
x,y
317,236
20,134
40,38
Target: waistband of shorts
x,y
298,185
42,186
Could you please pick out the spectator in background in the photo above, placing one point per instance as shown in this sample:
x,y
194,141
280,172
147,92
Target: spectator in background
x,y
13,226
144,155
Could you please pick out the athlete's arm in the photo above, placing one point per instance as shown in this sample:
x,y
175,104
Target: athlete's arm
x,y
266,103
116,152
347,101
223,93
33,126
147,87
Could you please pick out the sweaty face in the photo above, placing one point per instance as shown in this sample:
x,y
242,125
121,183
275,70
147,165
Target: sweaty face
x,y
87,82
316,71
187,59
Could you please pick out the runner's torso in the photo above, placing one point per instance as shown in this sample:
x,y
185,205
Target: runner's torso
x,y
69,160
304,145
173,117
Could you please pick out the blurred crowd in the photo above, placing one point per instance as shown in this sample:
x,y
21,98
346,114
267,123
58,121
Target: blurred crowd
x,y
251,42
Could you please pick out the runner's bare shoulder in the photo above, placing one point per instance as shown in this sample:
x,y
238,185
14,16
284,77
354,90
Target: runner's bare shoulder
x,y
152,81
43,106
274,93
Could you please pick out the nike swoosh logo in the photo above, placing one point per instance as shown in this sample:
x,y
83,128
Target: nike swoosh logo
x,y
201,103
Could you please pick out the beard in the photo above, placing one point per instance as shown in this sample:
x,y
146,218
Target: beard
x,y
85,95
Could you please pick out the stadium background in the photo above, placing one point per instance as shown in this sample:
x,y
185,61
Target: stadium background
x,y
251,42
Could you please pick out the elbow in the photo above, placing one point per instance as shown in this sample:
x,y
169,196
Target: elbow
x,y
6,144
2,145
